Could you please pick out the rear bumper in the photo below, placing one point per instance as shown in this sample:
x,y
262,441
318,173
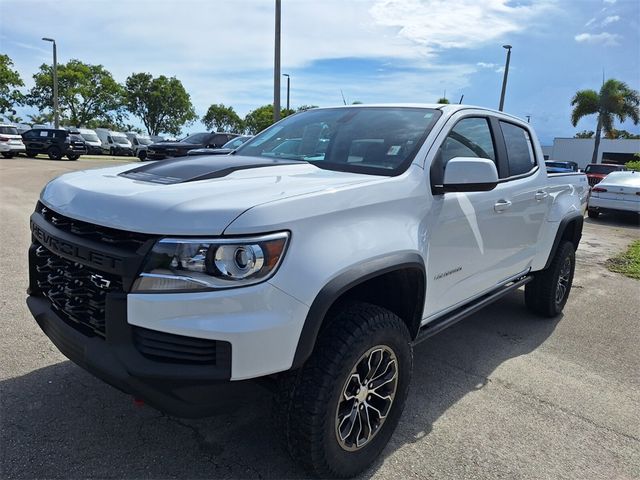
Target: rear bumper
x,y
189,391
602,204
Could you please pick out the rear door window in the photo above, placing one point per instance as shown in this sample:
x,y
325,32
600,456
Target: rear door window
x,y
519,149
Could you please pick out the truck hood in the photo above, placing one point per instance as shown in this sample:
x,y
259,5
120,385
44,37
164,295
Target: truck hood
x,y
199,196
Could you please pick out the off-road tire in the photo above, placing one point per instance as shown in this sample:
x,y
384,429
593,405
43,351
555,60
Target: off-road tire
x,y
541,295
314,393
54,153
593,213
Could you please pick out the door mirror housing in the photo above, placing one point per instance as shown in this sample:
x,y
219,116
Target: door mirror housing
x,y
470,174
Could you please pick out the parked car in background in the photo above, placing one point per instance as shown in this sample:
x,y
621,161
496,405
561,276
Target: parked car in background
x,y
56,143
162,150
554,166
157,138
618,191
10,141
114,143
597,171
91,139
22,127
226,149
139,144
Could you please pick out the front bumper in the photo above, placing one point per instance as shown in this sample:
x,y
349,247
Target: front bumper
x,y
94,149
182,390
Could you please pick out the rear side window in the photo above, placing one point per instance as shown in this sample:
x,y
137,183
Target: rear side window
x,y
519,149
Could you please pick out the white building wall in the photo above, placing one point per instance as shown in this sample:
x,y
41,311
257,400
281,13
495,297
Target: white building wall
x,y
580,150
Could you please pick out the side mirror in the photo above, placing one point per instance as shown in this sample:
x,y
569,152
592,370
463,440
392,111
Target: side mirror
x,y
470,174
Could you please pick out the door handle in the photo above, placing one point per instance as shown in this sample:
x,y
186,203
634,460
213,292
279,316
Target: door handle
x,y
541,195
502,205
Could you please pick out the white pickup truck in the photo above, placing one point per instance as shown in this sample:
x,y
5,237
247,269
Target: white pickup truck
x,y
310,260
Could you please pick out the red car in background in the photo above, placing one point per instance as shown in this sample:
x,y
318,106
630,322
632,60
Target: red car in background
x,y
597,171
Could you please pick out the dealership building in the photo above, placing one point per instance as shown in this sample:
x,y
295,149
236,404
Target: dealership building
x,y
580,150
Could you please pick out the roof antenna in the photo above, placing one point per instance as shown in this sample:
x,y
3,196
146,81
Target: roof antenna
x,y
460,102
343,99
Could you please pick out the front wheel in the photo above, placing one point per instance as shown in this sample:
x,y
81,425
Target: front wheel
x,y
549,290
142,155
348,398
593,213
73,157
7,155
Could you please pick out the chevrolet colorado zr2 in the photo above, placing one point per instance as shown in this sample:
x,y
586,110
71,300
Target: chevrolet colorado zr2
x,y
312,270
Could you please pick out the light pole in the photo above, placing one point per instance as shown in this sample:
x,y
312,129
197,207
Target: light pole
x,y
56,114
288,90
504,78
276,67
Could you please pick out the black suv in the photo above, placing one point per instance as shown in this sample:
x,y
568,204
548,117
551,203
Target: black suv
x,y
161,150
54,142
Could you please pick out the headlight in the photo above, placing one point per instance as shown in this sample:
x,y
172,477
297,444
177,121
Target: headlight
x,y
203,264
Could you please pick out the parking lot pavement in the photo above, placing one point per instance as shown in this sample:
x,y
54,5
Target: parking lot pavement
x,y
500,395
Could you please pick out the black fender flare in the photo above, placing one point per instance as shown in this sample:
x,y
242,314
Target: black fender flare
x,y
577,234
341,284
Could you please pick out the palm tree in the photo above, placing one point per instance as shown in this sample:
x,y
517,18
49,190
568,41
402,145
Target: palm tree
x,y
13,118
615,99
41,118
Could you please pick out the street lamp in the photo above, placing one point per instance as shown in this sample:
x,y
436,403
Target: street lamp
x,y
288,89
276,67
56,115
504,78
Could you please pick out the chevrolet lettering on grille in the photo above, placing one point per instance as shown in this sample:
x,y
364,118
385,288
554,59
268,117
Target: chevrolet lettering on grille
x,y
69,249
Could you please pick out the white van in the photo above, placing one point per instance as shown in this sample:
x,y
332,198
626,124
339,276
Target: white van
x,y
114,143
94,145
139,143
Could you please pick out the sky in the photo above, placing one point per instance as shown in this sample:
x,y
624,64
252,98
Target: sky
x,y
372,51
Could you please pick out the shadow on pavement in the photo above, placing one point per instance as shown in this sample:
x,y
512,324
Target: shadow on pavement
x,y
60,422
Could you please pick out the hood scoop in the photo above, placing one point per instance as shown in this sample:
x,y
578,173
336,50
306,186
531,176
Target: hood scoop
x,y
182,170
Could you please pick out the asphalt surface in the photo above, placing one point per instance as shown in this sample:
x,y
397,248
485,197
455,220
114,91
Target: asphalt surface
x,y
500,395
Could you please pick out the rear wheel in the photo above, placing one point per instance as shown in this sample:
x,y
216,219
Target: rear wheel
x,y
548,292
7,155
31,154
593,213
347,399
54,153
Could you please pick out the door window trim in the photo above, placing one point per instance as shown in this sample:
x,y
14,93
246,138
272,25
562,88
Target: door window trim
x,y
505,156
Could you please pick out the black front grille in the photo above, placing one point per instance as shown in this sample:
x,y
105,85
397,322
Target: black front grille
x,y
77,292
129,241
170,348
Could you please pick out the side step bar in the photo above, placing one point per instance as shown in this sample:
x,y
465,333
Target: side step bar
x,y
451,318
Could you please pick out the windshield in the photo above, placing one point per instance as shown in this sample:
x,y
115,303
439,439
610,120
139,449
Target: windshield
x,y
196,138
235,142
90,137
9,130
144,140
121,140
372,140
557,164
602,169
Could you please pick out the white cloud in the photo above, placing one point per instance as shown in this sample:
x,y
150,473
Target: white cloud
x,y
487,65
610,19
440,24
610,1
590,22
604,38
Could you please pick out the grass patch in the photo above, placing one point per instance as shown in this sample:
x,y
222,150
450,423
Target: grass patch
x,y
627,263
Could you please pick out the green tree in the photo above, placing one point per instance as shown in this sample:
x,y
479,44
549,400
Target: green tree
x,y
162,103
615,99
614,133
584,134
85,92
13,118
10,81
222,118
304,108
444,101
261,118
41,118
